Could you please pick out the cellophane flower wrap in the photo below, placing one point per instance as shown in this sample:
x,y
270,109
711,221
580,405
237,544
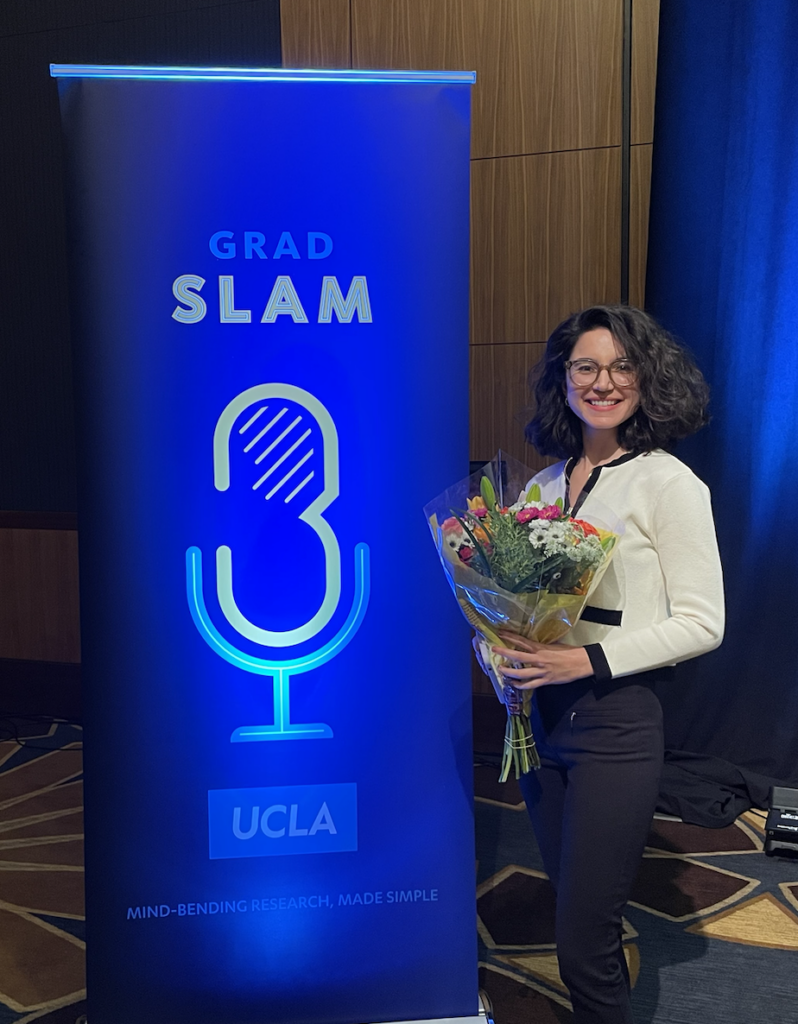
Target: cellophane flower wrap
x,y
517,563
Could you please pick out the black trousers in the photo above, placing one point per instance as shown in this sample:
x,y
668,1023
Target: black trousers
x,y
591,805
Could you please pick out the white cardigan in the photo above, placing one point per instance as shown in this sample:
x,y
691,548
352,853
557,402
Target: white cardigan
x,y
665,576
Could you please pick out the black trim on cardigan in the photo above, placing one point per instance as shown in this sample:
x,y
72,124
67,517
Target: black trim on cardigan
x,y
601,616
591,481
598,661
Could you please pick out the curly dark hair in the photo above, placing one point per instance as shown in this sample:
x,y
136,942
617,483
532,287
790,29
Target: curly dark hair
x,y
673,392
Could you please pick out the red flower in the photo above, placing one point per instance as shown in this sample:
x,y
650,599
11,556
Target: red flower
x,y
587,528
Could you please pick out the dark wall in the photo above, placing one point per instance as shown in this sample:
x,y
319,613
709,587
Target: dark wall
x,y
37,457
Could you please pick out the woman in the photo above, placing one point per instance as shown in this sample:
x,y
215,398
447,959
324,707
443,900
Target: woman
x,y
614,392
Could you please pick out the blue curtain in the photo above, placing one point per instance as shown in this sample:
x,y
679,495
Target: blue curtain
x,y
723,276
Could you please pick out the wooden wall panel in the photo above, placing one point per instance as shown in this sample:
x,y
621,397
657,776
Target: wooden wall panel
x,y
640,193
645,35
315,33
500,401
546,189
545,241
39,595
479,681
548,71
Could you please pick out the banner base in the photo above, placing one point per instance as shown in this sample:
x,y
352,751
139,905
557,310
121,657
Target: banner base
x,y
445,1020
480,1018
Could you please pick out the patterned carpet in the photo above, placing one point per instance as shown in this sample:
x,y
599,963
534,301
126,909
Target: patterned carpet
x,y
711,934
42,947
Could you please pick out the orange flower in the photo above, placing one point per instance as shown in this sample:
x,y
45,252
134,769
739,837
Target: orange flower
x,y
480,534
588,529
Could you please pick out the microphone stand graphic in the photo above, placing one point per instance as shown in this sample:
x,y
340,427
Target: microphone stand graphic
x,y
280,671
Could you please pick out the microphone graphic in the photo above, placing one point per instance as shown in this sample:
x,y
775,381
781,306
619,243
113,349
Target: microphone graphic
x,y
285,414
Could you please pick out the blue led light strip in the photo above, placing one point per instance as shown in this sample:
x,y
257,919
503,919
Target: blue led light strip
x,y
352,76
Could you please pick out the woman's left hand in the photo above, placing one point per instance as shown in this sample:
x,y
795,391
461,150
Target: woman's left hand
x,y
542,664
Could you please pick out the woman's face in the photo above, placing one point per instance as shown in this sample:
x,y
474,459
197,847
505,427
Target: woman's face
x,y
602,405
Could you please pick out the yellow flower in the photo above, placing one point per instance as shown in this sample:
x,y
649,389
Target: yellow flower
x,y
478,502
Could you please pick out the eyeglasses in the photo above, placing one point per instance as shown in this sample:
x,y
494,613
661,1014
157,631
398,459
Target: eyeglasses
x,y
584,372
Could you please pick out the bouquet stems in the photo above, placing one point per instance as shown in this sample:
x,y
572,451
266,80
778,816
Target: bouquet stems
x,y
519,751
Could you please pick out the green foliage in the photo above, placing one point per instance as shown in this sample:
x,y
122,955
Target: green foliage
x,y
502,551
519,567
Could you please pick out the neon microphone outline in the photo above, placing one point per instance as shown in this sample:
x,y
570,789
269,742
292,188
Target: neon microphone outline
x,y
280,671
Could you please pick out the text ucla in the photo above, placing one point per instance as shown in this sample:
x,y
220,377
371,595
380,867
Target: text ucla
x,y
277,821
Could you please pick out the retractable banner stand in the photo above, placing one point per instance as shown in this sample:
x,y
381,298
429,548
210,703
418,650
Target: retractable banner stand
x,y
270,275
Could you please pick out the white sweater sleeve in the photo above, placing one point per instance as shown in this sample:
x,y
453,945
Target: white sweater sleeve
x,y
683,533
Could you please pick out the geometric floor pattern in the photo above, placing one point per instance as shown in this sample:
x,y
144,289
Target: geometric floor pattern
x,y
42,928
711,931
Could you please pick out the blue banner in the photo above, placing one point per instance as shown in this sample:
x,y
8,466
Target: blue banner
x,y
271,327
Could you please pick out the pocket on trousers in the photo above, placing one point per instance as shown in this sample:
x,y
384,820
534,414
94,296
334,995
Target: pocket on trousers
x,y
631,725
625,703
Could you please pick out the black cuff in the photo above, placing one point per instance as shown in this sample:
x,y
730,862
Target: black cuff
x,y
598,660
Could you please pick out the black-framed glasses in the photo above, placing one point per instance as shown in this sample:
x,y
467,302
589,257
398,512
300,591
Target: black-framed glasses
x,y
583,373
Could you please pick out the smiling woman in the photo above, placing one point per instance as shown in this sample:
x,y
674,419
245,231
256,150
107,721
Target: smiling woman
x,y
614,392
665,400
603,395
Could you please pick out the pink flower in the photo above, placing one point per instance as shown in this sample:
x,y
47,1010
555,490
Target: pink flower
x,y
450,525
478,513
551,512
527,514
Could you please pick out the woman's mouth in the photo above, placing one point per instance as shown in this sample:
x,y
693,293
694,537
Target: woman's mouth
x,y
603,403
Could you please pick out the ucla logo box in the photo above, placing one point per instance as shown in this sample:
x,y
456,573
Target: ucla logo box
x,y
276,821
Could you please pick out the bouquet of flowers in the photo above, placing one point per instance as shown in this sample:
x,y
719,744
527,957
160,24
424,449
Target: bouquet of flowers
x,y
517,563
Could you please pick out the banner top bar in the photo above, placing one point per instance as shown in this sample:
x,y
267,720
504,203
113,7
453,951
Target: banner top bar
x,y
262,74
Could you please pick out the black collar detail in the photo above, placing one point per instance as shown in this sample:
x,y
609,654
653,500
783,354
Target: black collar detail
x,y
591,481
626,457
